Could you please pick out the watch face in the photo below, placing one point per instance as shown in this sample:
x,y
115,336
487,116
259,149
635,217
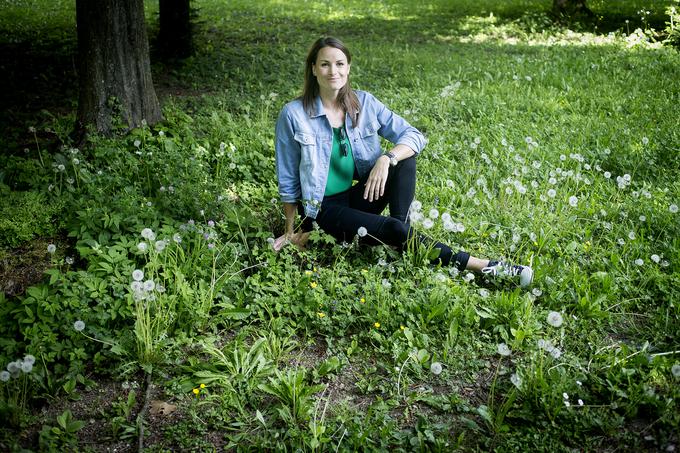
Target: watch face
x,y
394,161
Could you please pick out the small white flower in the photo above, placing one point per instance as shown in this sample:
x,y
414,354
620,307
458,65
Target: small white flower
x,y
565,396
160,246
79,325
362,231
148,234
552,193
555,319
645,140
573,201
137,143
579,383
149,285
536,292
51,248
639,262
673,208
643,218
656,258
516,380
631,235
436,368
483,292
434,213
580,402
138,275
468,277
566,403
504,349
416,205
142,246
68,260
61,167
4,376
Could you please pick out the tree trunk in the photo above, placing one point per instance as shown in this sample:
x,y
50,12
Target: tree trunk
x,y
571,7
174,36
114,67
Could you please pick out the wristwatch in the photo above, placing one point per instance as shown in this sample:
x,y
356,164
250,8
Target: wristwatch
x,y
393,159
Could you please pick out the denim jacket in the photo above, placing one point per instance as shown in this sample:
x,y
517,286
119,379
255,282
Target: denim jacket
x,y
303,146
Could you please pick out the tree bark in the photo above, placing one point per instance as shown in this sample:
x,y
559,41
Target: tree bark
x,y
174,36
571,7
114,69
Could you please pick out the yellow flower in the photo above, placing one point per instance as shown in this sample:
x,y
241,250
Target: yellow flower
x,y
362,300
313,285
364,270
308,272
376,325
320,315
202,386
196,391
402,327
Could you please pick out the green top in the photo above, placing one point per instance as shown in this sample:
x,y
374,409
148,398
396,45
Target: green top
x,y
341,168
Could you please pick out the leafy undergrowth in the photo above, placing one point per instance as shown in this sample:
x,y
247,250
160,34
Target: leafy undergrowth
x,y
554,145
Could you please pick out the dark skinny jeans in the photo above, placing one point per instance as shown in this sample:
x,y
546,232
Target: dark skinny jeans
x,y
342,215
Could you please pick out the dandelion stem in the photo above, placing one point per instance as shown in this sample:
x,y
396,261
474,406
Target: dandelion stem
x,y
95,339
659,354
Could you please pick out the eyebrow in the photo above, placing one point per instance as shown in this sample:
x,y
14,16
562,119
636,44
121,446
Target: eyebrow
x,y
337,61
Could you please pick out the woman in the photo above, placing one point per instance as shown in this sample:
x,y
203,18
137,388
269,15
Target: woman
x,y
329,138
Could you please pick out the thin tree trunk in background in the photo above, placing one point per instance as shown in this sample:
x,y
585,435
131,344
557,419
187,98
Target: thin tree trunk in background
x,y
174,36
114,69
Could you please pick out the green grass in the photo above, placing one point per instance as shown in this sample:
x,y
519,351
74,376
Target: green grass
x,y
332,348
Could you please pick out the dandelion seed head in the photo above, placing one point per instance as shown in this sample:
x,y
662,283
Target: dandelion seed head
x,y
362,231
555,319
504,349
142,247
160,246
673,208
639,262
428,223
436,368
79,325
26,367
656,258
138,275
516,380
573,201
580,402
434,213
148,234
607,174
416,205
4,376
555,353
149,285
552,193
675,370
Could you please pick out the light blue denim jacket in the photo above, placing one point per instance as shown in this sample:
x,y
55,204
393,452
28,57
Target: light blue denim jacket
x,y
303,146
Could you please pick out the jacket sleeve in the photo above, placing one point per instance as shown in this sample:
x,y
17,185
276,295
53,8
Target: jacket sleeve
x,y
287,154
396,129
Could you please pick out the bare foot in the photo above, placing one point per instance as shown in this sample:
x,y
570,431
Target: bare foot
x,y
297,239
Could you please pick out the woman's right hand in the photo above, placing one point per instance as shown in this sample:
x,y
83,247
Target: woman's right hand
x,y
298,239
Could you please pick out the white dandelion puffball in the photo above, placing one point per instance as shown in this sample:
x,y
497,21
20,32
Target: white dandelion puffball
x,y
177,238
138,275
26,367
639,262
656,258
552,193
673,208
4,376
416,205
434,213
79,325
555,319
675,370
51,248
142,246
436,368
362,231
573,201
160,246
149,285
148,234
504,349
580,402
556,353
428,223
29,359
516,380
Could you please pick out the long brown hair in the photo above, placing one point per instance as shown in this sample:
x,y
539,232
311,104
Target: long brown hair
x,y
347,99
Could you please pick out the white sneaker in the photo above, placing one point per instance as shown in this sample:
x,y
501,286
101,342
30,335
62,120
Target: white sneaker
x,y
502,269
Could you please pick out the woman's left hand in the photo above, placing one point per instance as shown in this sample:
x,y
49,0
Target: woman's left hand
x,y
375,184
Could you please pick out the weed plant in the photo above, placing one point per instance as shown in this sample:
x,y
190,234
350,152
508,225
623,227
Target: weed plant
x,y
550,143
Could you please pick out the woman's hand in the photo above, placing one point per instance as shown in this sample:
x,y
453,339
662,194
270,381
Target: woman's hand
x,y
298,239
375,184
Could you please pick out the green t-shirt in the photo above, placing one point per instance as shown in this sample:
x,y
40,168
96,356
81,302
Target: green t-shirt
x,y
341,168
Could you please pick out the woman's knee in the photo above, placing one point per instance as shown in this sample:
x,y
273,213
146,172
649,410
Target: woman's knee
x,y
395,232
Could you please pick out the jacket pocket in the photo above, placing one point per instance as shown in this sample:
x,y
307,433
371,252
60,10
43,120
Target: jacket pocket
x,y
370,129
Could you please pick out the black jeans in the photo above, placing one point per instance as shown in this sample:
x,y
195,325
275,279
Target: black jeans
x,y
342,215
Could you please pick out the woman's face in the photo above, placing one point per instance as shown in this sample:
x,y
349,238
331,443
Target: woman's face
x,y
331,69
